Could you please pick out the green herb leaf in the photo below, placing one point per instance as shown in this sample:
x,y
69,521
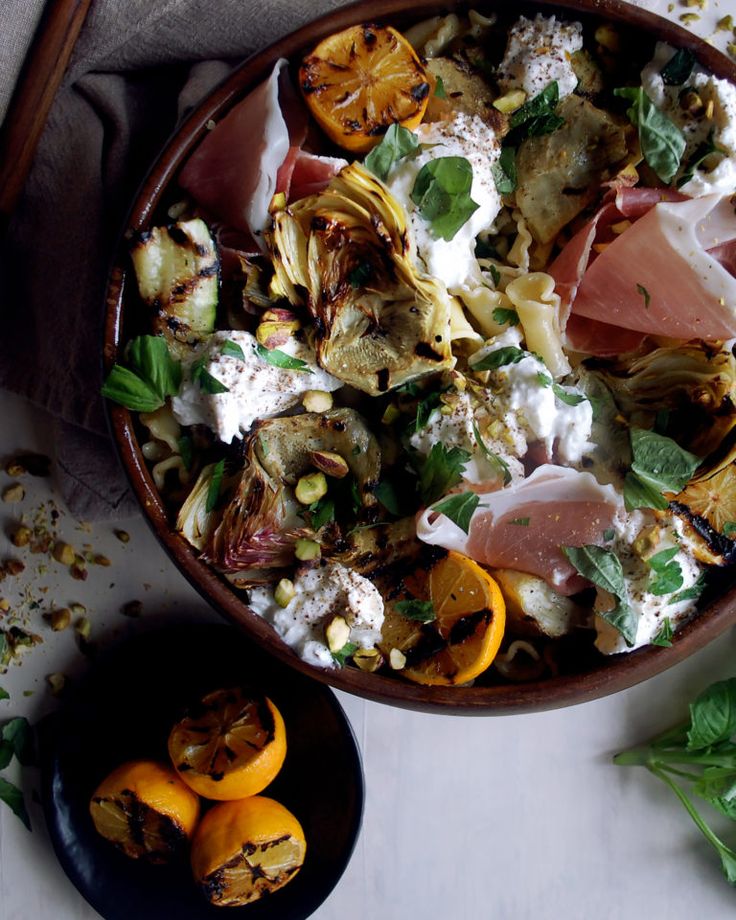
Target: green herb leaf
x,y
421,611
280,359
659,465
323,512
713,715
537,116
690,594
496,276
13,798
504,171
645,294
662,142
126,388
397,143
608,535
385,492
459,509
232,350
494,459
4,695
668,573
6,754
501,315
440,470
441,193
213,490
484,250
18,734
207,383
700,155
149,357
679,67
664,635
425,408
186,450
729,528
570,399
341,657
439,89
520,522
603,568
509,354
360,275
639,494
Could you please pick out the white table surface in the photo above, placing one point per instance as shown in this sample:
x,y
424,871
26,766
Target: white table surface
x,y
465,818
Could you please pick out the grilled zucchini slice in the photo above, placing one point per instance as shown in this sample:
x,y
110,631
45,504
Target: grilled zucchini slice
x,y
178,275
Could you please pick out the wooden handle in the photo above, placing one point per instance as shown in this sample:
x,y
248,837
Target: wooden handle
x,y
39,80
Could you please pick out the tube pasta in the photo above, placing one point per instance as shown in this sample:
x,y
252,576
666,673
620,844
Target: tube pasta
x,y
519,252
538,306
460,328
480,302
174,462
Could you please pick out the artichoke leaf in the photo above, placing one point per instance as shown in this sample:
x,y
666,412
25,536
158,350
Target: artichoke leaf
x,y
390,326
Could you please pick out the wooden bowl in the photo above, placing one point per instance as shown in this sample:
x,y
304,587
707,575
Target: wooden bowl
x,y
603,675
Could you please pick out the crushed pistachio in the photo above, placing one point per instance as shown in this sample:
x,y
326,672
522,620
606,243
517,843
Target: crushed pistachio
x,y
307,550
330,463
689,18
21,536
14,493
13,566
311,488
64,553
83,627
132,609
4,604
78,572
397,659
317,401
56,683
99,559
337,633
284,593
725,24
58,619
123,536
78,609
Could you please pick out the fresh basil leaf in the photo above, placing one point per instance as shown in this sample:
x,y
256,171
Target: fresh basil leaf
x,y
668,573
359,276
186,450
660,561
13,798
425,408
501,315
232,350
700,155
280,359
207,383
520,522
439,89
385,492
459,509
662,142
645,294
421,611
508,354
504,171
494,459
570,399
397,143
717,785
608,535
661,421
603,568
496,278
728,863
729,529
213,490
713,716
341,657
690,594
544,380
661,462
149,358
6,754
441,193
18,734
323,512
440,470
537,116
127,389
639,494
664,635
679,67
4,695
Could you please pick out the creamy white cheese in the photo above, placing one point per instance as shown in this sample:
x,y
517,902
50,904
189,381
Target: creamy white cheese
x,y
539,51
256,389
452,261
322,593
523,396
715,93
650,610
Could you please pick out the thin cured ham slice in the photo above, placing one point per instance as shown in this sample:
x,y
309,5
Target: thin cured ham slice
x,y
303,173
670,273
524,526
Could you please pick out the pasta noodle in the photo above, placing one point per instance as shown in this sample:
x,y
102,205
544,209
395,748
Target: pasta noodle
x,y
538,306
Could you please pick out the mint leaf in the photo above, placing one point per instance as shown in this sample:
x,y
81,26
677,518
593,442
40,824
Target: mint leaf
x,y
127,389
421,611
504,171
645,294
425,408
397,143
213,490
509,354
501,315
679,67
690,594
537,116
662,142
639,494
149,358
441,193
207,383
439,89
280,359
494,459
729,529
664,635
341,657
570,399
233,350
660,462
13,798
186,450
668,572
440,470
713,716
17,733
459,509
603,568
496,276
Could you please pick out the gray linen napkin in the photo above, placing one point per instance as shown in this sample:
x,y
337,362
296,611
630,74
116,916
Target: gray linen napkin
x,y
138,66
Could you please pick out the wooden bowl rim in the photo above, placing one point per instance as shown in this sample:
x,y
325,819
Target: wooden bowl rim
x,y
613,674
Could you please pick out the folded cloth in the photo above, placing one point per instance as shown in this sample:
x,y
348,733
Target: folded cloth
x,y
137,68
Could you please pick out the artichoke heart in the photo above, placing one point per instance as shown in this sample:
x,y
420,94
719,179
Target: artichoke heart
x,y
379,322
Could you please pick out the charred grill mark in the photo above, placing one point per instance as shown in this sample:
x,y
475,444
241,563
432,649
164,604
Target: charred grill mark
x,y
369,37
465,627
319,223
571,190
420,92
424,350
382,378
178,236
209,270
377,130
351,124
201,249
429,644
717,543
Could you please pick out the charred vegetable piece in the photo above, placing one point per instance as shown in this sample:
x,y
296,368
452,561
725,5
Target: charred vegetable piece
x,y
559,174
178,277
465,90
379,322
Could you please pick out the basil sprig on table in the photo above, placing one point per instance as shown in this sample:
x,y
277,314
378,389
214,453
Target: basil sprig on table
x,y
16,740
152,376
659,465
662,142
699,756
398,142
603,568
441,193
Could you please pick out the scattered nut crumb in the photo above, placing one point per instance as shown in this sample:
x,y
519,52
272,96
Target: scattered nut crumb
x,y
725,24
58,619
99,559
64,553
56,682
83,627
79,572
123,536
689,18
132,609
78,609
13,566
21,536
397,659
14,493
4,604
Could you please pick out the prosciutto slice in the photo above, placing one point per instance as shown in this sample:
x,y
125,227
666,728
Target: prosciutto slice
x,y
670,273
524,526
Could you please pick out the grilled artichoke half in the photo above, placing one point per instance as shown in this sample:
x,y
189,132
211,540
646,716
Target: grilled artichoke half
x,y
379,322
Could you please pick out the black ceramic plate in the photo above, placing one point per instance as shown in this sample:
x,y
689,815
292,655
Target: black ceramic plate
x,y
124,711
